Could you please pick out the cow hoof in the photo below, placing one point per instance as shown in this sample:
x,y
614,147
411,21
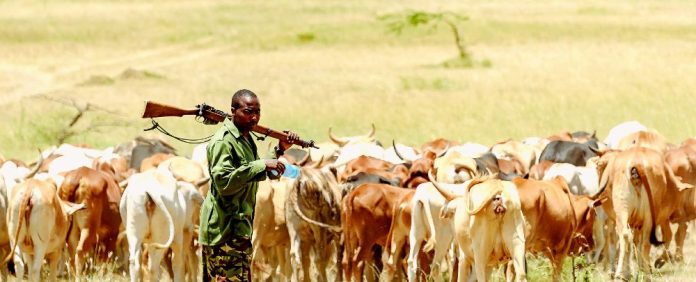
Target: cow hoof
x,y
660,262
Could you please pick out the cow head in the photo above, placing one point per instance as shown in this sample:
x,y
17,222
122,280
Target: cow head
x,y
342,141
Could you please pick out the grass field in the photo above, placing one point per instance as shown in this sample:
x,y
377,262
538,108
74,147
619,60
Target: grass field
x,y
554,65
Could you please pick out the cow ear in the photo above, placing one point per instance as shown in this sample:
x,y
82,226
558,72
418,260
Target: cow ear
x,y
70,208
334,171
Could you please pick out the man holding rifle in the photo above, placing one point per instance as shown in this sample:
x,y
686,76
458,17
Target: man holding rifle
x,y
235,170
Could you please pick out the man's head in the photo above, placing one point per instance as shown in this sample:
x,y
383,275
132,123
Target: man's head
x,y
246,110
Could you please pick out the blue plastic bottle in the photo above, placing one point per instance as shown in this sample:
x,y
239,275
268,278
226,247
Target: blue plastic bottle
x,y
291,171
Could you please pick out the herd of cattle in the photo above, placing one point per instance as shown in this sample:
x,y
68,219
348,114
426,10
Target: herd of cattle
x,y
359,210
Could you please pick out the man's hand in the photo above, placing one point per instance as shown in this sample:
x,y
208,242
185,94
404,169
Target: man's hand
x,y
275,165
286,144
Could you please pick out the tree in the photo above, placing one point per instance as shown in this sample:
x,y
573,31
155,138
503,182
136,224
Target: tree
x,y
414,19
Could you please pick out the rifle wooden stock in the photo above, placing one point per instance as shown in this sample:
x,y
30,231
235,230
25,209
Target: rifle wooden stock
x,y
155,110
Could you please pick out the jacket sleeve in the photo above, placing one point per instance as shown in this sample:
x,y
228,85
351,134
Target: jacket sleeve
x,y
229,179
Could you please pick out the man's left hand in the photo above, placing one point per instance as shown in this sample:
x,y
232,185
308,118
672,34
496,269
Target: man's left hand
x,y
287,143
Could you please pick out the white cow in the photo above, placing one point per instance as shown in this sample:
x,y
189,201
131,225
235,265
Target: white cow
x,y
153,212
270,239
426,224
622,130
488,226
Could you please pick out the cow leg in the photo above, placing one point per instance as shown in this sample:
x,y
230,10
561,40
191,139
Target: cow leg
x,y
643,251
73,240
363,259
135,251
192,261
305,248
514,241
321,257
624,234
258,257
482,248
393,255
295,256
178,259
28,261
415,242
464,268
19,263
599,237
153,263
679,240
53,259
35,263
667,239
444,241
557,266
284,262
80,253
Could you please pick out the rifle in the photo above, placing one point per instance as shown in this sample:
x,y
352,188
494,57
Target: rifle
x,y
212,115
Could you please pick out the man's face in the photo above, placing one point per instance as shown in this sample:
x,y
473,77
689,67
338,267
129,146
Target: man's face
x,y
247,114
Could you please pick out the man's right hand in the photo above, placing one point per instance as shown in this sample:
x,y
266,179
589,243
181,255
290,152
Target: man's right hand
x,y
274,164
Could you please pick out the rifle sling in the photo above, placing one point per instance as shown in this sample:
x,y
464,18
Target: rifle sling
x,y
161,129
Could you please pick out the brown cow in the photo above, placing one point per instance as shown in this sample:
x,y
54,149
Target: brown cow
x,y
635,180
154,161
648,139
418,173
38,222
555,219
398,235
682,161
98,225
366,219
439,146
363,163
538,170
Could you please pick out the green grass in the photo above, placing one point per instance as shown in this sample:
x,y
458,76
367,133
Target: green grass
x,y
545,67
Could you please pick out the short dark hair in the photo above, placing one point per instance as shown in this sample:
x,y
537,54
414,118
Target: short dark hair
x,y
237,97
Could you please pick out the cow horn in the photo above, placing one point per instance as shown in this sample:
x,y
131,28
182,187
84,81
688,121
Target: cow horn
x,y
201,182
36,167
372,131
123,183
596,150
318,163
467,164
305,159
603,182
444,151
339,141
449,196
397,151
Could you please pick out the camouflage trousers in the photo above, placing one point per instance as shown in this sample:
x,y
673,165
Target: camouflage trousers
x,y
229,261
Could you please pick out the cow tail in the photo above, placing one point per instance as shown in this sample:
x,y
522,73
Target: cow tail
x,y
21,215
396,214
158,202
347,235
638,174
431,224
296,207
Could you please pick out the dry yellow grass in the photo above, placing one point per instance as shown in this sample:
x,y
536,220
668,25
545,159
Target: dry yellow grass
x,y
555,65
